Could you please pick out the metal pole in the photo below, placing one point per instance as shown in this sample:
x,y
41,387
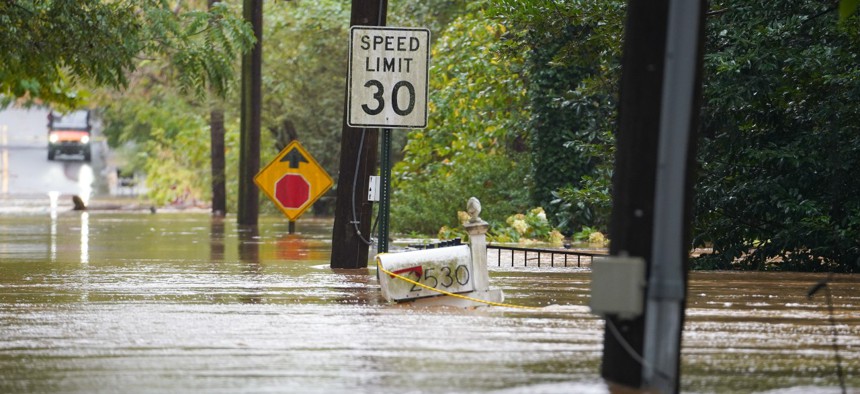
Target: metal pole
x,y
385,191
667,281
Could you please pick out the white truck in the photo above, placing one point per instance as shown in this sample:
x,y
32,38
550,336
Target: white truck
x,y
69,134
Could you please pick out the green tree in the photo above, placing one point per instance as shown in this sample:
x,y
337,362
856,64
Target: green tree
x,y
471,146
164,134
847,8
49,47
780,151
553,76
158,120
572,67
304,77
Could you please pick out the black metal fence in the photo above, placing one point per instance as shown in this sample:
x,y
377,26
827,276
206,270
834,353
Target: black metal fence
x,y
522,257
514,256
440,244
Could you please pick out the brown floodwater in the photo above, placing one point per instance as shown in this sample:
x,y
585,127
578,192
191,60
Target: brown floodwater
x,y
176,302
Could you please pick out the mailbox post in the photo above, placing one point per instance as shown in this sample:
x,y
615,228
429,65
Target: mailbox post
x,y
449,276
477,230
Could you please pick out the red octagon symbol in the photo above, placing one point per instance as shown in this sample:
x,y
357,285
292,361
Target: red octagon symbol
x,y
292,191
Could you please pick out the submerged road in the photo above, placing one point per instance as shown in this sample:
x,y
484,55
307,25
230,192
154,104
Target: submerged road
x,y
177,302
25,170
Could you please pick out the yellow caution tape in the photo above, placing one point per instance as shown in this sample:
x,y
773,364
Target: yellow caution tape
x,y
447,293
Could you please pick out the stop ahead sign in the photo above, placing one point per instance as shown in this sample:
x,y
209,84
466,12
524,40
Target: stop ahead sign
x,y
293,180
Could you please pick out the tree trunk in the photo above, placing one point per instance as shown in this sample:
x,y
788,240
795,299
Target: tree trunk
x,y
219,178
217,160
249,156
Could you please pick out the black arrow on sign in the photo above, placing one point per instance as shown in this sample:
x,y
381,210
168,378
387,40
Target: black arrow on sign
x,y
294,157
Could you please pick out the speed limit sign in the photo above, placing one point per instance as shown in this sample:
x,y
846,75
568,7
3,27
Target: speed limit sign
x,y
387,79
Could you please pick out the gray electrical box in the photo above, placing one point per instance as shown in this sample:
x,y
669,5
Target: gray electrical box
x,y
617,286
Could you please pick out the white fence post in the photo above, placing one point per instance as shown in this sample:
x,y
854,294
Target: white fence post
x,y
477,230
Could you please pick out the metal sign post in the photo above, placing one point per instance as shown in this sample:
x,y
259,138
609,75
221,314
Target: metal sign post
x,y
667,281
385,192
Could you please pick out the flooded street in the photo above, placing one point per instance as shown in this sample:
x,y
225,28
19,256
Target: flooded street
x,y
176,302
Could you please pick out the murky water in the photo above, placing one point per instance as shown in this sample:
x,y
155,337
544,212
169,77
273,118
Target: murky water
x,y
128,302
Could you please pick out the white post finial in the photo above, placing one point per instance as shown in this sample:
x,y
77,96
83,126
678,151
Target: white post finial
x,y
473,207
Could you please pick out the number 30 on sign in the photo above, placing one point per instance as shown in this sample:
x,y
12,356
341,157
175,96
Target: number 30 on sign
x,y
387,79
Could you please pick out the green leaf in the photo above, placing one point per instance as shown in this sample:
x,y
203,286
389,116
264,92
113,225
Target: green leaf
x,y
847,8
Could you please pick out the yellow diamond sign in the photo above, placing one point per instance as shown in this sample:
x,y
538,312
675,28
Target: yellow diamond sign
x,y
293,180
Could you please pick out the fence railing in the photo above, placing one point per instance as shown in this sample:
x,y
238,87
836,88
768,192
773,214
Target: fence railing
x,y
522,257
514,256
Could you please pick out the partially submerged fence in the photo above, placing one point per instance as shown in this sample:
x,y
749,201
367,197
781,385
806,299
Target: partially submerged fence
x,y
522,257
514,256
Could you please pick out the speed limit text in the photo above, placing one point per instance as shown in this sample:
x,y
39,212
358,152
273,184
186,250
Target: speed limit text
x,y
389,43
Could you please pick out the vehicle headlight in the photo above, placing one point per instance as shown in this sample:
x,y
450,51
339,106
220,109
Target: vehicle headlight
x,y
85,139
53,138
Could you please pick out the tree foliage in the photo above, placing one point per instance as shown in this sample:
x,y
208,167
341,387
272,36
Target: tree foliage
x,y
572,67
51,46
159,128
161,133
780,152
847,8
553,75
304,79
477,113
305,61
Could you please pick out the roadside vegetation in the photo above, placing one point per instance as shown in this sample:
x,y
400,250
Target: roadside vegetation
x,y
780,138
524,97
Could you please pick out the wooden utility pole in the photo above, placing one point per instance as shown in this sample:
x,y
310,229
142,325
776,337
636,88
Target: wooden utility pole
x,y
652,188
358,156
249,156
632,220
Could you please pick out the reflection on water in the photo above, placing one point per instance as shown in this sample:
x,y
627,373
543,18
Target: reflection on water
x,y
53,196
249,257
85,237
216,240
185,303
4,159
85,183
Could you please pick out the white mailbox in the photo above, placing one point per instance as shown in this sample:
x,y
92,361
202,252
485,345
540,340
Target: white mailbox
x,y
458,272
448,269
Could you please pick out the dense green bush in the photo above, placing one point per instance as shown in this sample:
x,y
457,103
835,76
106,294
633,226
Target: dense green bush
x,y
780,153
477,115
425,203
571,67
